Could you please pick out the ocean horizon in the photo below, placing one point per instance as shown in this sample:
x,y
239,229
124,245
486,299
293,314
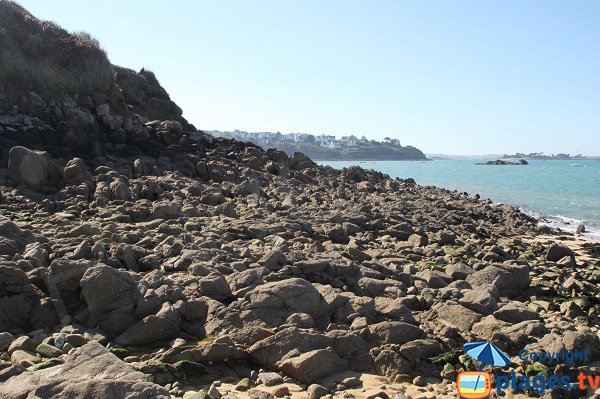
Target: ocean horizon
x,y
560,193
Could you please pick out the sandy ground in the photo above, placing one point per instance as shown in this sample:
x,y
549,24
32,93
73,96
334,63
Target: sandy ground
x,y
373,386
577,243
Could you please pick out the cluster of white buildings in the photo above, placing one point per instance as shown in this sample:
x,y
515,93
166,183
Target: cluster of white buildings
x,y
322,140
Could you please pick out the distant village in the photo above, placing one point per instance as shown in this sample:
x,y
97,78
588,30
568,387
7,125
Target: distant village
x,y
323,140
540,155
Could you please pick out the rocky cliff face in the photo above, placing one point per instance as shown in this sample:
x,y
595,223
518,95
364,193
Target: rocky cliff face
x,y
197,260
59,93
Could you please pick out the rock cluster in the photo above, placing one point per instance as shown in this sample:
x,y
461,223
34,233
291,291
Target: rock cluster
x,y
270,262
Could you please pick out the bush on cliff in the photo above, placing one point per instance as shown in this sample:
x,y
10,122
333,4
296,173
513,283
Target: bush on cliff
x,y
42,57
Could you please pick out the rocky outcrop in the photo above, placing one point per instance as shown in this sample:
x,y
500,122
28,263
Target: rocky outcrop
x,y
91,372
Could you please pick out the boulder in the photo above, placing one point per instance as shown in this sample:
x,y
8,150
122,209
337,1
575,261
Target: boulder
x,y
160,327
106,290
483,299
290,295
392,332
459,271
269,351
558,251
214,286
458,316
516,312
76,172
6,339
393,309
33,168
90,372
312,366
417,240
510,280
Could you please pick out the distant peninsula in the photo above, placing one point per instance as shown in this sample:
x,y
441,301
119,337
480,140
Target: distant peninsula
x,y
541,156
328,147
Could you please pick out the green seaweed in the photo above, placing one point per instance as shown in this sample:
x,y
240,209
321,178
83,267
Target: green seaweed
x,y
121,353
45,364
442,358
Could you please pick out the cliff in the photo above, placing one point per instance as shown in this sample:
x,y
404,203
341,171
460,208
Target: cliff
x,y
60,93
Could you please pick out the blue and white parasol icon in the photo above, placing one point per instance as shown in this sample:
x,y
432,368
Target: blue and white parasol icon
x,y
487,353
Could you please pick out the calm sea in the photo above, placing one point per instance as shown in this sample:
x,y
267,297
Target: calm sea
x,y
560,193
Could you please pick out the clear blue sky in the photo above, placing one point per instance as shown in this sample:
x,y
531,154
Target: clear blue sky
x,y
457,77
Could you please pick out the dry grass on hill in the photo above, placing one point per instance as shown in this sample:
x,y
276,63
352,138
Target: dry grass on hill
x,y
42,57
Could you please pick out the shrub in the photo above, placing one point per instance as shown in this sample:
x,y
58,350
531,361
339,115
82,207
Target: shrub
x,y
42,57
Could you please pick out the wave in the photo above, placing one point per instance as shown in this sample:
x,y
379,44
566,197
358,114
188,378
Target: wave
x,y
567,224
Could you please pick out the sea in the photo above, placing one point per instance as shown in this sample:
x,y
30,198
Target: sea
x,y
560,193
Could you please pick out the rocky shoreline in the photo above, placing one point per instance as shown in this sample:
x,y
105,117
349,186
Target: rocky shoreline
x,y
141,258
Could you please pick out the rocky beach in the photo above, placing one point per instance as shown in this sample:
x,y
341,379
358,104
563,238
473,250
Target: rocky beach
x,y
143,258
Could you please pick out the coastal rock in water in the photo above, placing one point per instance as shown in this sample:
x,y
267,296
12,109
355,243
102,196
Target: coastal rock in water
x,y
90,372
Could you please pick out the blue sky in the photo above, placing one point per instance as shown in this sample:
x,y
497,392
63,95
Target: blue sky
x,y
455,77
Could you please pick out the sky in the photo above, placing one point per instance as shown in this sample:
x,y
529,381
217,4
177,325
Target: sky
x,y
453,77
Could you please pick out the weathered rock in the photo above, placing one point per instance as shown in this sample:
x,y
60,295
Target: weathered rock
x,y
91,372
270,378
107,290
160,327
558,251
289,295
509,280
76,172
483,299
393,332
269,351
515,312
316,391
33,168
312,366
457,316
6,339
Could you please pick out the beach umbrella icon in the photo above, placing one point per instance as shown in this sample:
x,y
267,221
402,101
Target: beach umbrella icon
x,y
486,353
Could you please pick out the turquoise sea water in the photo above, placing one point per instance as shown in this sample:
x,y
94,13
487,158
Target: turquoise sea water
x,y
560,193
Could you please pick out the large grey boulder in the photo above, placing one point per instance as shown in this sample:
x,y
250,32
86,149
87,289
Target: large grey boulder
x,y
312,366
33,168
90,372
457,316
292,295
106,289
269,351
76,172
160,327
509,279
558,251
